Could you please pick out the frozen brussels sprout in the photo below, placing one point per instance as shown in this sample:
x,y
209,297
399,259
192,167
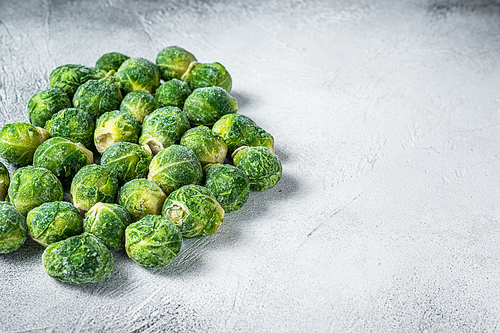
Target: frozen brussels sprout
x,y
127,161
78,259
206,105
209,148
138,74
107,222
45,104
110,61
52,222
162,128
141,197
74,124
173,62
229,185
261,166
152,242
200,75
31,186
115,126
139,104
173,93
98,96
174,167
238,130
18,142
68,78
62,157
13,229
194,210
4,181
93,184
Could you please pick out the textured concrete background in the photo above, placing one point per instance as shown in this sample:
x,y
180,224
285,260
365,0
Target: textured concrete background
x,y
386,118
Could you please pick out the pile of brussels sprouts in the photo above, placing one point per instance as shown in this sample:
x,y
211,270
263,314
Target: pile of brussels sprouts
x,y
175,158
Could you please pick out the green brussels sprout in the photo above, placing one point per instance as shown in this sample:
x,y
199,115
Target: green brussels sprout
x,y
74,124
52,222
93,184
115,126
173,62
152,242
141,197
107,222
45,104
173,93
209,148
78,259
200,75
194,210
139,103
18,142
62,157
110,61
229,185
261,166
127,160
238,130
68,78
4,181
138,74
206,105
31,186
162,128
98,96
13,229
174,167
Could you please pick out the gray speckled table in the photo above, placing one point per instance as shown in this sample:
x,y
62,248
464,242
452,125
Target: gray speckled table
x,y
386,116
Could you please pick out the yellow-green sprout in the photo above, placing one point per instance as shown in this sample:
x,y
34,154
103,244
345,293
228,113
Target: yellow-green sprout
x,y
127,161
98,96
209,148
115,126
13,229
200,75
173,62
138,74
45,104
141,197
68,78
173,93
18,142
139,104
262,167
207,105
74,124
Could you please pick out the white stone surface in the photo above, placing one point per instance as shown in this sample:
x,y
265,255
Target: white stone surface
x,y
386,118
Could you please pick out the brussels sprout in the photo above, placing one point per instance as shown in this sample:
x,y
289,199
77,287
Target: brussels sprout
x,y
4,182
18,142
201,75
141,197
261,166
78,259
208,147
139,103
68,78
174,167
194,210
13,230
173,62
206,105
74,124
238,130
107,222
115,126
138,74
172,93
110,61
229,185
31,186
93,184
152,242
127,161
98,96
162,128
62,157
45,104
54,221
